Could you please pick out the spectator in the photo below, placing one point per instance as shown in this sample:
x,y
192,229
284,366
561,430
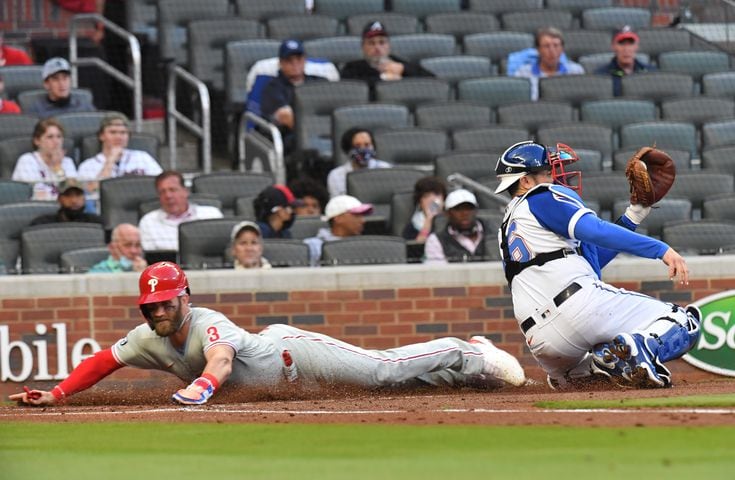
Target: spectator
x,y
59,99
247,246
6,106
126,253
550,47
462,240
312,195
624,62
10,56
274,211
346,217
48,165
428,200
378,63
72,202
359,146
276,102
159,229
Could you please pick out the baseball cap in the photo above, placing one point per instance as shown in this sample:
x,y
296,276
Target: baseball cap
x,y
374,29
53,66
345,204
70,187
458,197
277,196
244,225
625,33
290,47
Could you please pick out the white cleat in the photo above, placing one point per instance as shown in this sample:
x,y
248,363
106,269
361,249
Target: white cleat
x,y
499,363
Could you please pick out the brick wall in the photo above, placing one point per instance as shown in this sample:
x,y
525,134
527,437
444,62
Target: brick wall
x,y
369,317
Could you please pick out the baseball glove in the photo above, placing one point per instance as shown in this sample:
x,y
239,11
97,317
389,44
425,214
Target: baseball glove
x,y
651,173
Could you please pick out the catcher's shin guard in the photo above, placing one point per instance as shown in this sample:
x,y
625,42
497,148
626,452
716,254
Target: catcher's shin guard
x,y
669,338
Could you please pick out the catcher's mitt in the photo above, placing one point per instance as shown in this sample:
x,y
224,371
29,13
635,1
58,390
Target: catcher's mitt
x,y
651,174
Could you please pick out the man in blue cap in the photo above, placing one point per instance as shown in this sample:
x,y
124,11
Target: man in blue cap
x,y
277,99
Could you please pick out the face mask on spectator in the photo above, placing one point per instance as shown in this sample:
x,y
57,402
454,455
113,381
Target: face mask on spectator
x,y
362,156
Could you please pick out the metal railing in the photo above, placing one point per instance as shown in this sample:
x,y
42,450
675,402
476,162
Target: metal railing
x,y
464,181
134,82
272,148
175,117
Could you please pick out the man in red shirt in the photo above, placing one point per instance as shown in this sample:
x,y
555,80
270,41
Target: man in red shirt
x,y
12,56
6,106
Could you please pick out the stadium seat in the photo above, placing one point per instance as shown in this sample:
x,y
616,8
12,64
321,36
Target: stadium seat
x,y
719,159
719,84
307,226
590,161
655,41
337,50
42,245
412,91
716,134
697,110
694,63
617,112
262,11
286,253
579,135
120,197
452,116
141,19
14,217
13,126
372,116
532,115
578,43
605,189
417,147
401,210
469,164
302,27
657,86
78,125
21,78
576,89
576,7
364,250
531,21
665,210
496,45
664,134
173,19
614,18
12,148
394,23
244,207
423,8
227,186
239,57
12,191
696,186
682,158
202,243
489,139
704,236
342,9
494,91
81,260
459,67
498,7
138,141
414,47
720,207
460,24
28,98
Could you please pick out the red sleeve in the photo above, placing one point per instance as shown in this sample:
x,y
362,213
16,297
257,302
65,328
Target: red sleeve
x,y
90,371
79,6
9,107
14,56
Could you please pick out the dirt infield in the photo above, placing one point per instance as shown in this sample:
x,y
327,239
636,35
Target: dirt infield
x,y
504,406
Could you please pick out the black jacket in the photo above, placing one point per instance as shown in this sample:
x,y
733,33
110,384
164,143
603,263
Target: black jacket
x,y
614,69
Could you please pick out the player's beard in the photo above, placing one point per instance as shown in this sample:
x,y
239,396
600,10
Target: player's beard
x,y
168,326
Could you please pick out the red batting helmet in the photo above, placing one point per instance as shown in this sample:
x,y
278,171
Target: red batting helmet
x,y
160,282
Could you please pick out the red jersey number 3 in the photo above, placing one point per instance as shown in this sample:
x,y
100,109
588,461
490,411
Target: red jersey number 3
x,y
213,334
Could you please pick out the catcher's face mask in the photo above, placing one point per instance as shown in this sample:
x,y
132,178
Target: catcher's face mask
x,y
559,158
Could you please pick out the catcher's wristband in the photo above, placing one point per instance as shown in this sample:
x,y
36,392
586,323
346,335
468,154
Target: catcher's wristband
x,y
203,388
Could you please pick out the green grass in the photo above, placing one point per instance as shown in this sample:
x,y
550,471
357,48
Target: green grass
x,y
692,401
324,452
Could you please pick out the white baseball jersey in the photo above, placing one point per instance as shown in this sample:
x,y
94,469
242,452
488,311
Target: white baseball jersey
x,y
550,218
30,167
160,231
132,162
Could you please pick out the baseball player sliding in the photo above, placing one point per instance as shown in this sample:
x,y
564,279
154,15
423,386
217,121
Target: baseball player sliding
x,y
205,348
577,326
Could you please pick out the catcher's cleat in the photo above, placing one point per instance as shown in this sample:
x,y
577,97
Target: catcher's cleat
x,y
606,364
644,368
499,363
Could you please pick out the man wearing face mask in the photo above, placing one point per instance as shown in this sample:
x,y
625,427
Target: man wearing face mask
x,y
126,252
71,198
358,144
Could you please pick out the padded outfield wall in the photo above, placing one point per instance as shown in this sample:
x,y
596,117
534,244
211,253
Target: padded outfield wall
x,y
375,307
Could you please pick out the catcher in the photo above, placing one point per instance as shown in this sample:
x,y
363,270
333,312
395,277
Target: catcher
x,y
205,348
578,327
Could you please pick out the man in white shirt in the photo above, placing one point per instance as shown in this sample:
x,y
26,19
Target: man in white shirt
x,y
358,144
159,229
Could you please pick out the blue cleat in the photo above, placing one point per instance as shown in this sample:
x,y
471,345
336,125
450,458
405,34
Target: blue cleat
x,y
645,370
606,364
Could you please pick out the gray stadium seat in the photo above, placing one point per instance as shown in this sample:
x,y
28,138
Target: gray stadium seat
x,y
579,135
78,125
664,134
202,243
302,27
138,141
239,57
14,217
207,40
494,91
605,189
173,18
364,250
585,42
244,207
286,253
696,186
576,89
230,185
469,164
490,139
401,210
394,23
140,19
682,158
716,134
459,67
617,112
496,45
337,50
532,115
412,146
694,63
414,47
423,8
655,41
261,11
42,245
531,21
501,6
12,126
665,210
590,161
460,24
614,18
82,259
10,150
314,104
371,116
342,9
451,116
28,98
657,86
719,84
412,91
719,158
697,110
577,6
12,191
704,236
721,207
120,197
20,78
307,226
